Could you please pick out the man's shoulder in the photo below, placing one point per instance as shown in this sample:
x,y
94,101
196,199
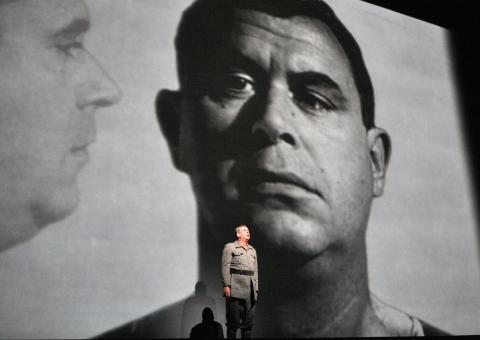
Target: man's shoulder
x,y
230,245
162,323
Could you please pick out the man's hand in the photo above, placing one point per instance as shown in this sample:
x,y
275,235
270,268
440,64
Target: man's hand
x,y
227,290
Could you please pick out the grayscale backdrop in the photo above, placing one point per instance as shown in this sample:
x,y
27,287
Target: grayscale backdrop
x,y
131,246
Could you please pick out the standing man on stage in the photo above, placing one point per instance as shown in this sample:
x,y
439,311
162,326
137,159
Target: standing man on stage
x,y
240,283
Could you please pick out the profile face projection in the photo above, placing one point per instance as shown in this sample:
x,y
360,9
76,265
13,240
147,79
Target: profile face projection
x,y
272,132
50,88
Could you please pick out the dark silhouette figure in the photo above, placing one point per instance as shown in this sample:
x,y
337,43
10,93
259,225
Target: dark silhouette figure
x,y
194,307
208,328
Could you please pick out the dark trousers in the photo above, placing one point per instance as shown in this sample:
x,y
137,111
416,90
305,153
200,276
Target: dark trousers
x,y
240,314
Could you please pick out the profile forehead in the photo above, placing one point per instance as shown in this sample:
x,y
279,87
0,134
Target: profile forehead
x,y
45,15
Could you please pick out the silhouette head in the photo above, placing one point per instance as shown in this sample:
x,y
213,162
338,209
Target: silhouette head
x,y
207,315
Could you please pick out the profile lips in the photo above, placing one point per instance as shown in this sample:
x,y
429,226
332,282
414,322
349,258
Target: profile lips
x,y
79,148
83,146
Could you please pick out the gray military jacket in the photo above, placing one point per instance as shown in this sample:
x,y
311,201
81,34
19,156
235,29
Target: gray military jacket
x,y
236,257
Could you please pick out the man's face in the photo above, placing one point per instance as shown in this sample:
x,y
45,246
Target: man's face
x,y
50,88
271,133
243,234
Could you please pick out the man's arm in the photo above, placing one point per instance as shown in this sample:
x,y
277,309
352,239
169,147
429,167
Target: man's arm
x,y
226,260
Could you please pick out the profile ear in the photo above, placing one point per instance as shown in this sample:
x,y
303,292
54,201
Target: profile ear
x,y
167,106
380,148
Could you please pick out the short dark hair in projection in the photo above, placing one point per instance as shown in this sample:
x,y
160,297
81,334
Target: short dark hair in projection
x,y
206,23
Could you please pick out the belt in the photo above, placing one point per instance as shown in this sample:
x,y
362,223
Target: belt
x,y
241,272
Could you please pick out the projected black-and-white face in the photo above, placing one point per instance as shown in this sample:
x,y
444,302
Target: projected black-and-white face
x,y
271,133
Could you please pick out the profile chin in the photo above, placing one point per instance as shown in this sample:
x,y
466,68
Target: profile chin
x,y
55,206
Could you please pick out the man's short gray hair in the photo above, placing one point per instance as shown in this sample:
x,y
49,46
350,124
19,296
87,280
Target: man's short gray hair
x,y
237,229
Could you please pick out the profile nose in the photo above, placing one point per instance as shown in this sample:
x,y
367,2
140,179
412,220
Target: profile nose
x,y
98,89
274,124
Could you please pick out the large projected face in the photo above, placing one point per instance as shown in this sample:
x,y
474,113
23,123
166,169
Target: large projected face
x,y
271,133
50,88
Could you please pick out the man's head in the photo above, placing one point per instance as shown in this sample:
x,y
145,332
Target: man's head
x,y
50,88
274,123
242,232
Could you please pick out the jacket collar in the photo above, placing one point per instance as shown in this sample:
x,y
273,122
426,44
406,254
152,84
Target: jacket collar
x,y
238,245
